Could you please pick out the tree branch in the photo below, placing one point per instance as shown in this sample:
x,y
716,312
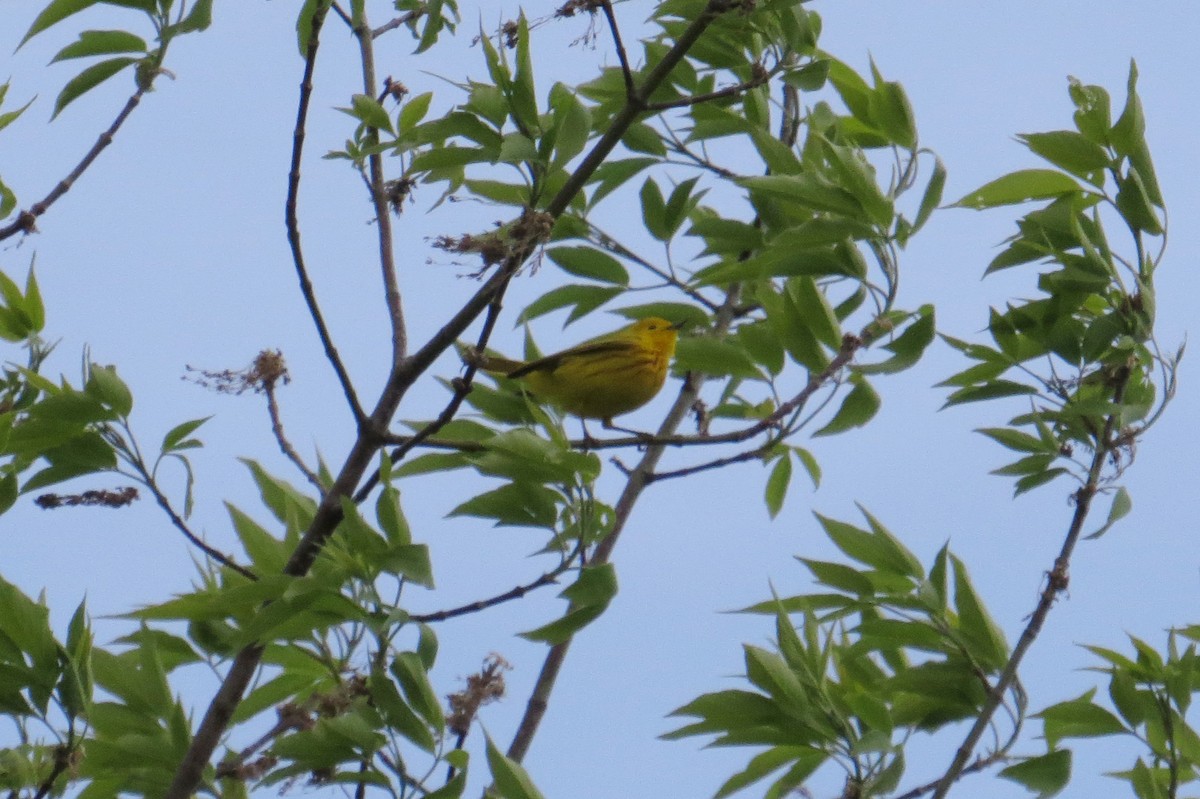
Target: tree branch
x,y
402,376
293,223
26,221
549,578
1057,581
383,218
284,445
182,526
626,72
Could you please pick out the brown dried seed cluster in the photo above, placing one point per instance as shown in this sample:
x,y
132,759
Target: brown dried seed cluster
x,y
263,374
117,498
573,7
483,688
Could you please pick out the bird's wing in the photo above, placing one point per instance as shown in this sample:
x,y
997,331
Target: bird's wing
x,y
552,362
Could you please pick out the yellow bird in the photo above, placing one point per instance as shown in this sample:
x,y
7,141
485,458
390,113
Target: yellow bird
x,y
602,377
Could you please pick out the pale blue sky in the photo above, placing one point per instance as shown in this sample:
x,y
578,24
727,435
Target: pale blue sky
x,y
171,251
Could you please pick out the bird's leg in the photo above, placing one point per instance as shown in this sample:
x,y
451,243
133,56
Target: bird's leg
x,y
589,443
644,437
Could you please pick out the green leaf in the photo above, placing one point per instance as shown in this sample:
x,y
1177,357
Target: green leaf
x,y
1069,150
1148,783
814,309
1133,201
370,112
85,454
290,506
1045,775
512,781
933,195
879,548
104,384
562,629
810,77
654,211
1019,187
198,19
304,23
414,111
515,504
611,175
1122,504
411,561
597,585
713,356
8,200
523,99
266,552
641,138
93,43
809,462
891,111
777,484
574,125
759,767
397,713
441,157
430,462
840,576
1018,441
858,408
584,299
33,305
679,313
1078,718
589,596
908,347
89,79
516,148
806,191
390,516
985,640
588,262
992,389
408,669
54,12
1092,114
176,437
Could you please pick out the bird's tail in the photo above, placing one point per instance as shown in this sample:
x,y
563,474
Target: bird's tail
x,y
489,363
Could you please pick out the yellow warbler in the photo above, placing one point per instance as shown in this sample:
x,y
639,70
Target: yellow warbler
x,y
603,377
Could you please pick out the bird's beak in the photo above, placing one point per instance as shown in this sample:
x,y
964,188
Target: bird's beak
x,y
677,326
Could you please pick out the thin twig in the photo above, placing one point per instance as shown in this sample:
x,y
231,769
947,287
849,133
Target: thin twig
x,y
626,72
286,446
341,12
293,223
607,242
549,578
403,19
383,217
462,387
979,765
1056,582
760,78
182,526
62,761
26,220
